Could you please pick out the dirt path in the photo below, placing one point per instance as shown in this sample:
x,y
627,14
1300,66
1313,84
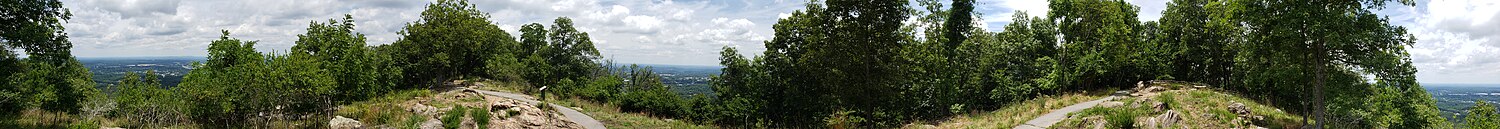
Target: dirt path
x,y
1046,120
573,115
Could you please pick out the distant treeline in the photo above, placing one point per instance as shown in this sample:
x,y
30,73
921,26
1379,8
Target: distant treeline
x,y
864,64
836,63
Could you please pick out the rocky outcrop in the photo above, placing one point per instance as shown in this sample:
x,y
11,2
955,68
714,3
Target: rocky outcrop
x,y
527,116
340,122
431,123
1168,119
422,109
1239,108
1111,104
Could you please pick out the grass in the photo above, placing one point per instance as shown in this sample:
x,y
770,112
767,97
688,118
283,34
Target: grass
x,y
385,110
1123,117
1016,113
481,117
454,117
612,117
1197,108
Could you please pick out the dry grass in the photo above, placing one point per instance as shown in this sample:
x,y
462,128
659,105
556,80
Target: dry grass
x,y
386,110
1016,113
612,117
608,114
1199,109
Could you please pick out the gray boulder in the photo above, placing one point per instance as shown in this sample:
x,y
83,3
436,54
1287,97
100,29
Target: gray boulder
x,y
340,122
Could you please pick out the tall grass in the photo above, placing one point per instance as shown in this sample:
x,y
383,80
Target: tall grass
x,y
453,118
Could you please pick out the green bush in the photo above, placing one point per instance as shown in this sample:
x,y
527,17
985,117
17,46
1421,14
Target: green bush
x,y
1168,99
511,113
84,124
481,116
452,118
1121,118
413,121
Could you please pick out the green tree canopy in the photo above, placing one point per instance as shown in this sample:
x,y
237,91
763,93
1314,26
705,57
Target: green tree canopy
x,y
452,39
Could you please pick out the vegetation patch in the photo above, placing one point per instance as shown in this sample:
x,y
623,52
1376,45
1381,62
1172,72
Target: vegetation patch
x,y
1012,115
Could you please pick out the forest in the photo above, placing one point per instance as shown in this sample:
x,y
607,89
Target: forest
x,y
832,64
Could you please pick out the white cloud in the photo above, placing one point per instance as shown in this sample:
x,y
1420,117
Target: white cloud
x,y
642,22
632,31
1457,40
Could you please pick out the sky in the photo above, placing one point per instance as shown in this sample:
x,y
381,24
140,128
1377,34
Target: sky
x,y
1458,40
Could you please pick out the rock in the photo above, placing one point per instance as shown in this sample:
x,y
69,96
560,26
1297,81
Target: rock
x,y
1239,108
497,106
1165,120
422,109
1141,101
340,122
1140,84
1095,122
1160,106
431,123
1153,89
469,122
1111,104
532,119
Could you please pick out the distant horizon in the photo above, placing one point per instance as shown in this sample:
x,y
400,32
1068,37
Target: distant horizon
x,y
1425,84
164,56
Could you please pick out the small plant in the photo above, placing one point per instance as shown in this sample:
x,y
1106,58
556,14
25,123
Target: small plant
x,y
544,107
511,113
452,118
1168,99
89,123
482,117
413,121
1123,118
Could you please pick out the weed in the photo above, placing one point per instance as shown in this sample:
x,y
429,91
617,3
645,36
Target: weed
x,y
482,117
1168,99
413,121
511,113
452,118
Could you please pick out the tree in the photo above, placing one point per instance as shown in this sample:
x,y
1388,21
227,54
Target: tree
x,y
791,95
452,39
1022,57
142,100
49,70
1200,46
739,101
570,53
959,23
36,27
218,90
1098,38
1482,116
1296,42
237,82
358,70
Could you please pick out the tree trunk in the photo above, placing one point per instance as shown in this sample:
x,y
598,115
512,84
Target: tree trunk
x,y
1319,64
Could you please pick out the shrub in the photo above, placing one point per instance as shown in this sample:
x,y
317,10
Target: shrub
x,y
481,116
1121,118
452,118
511,113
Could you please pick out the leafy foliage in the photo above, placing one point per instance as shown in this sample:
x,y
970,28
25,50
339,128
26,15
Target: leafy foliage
x,y
1482,116
49,77
451,40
